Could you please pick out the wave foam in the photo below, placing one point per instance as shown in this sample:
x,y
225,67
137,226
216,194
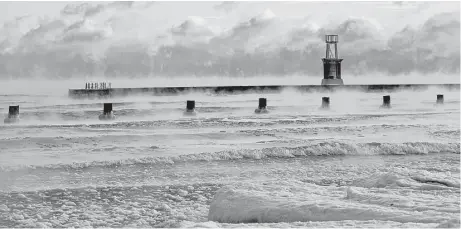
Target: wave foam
x,y
315,149
453,223
77,119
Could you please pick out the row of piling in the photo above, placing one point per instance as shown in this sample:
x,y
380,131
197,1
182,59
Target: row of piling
x,y
262,105
13,112
101,85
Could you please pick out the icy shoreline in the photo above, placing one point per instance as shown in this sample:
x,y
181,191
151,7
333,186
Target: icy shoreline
x,y
295,201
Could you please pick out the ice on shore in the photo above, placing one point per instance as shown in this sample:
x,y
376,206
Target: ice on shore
x,y
293,201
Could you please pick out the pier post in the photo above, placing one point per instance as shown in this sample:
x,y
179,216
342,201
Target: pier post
x,y
13,110
13,115
325,103
262,103
190,107
107,113
439,99
386,101
107,108
262,106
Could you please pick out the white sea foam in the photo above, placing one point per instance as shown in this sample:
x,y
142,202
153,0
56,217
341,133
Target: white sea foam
x,y
452,223
325,224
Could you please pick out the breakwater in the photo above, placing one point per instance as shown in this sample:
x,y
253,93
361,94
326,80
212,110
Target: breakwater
x,y
156,91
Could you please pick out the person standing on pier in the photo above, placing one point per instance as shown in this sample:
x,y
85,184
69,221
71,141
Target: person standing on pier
x,y
110,85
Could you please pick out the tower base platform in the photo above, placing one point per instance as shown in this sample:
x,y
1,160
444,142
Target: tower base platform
x,y
332,82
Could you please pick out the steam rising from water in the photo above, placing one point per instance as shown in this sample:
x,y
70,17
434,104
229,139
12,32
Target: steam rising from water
x,y
48,104
60,87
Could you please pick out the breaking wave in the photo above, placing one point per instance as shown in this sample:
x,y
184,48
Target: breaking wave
x,y
334,148
80,119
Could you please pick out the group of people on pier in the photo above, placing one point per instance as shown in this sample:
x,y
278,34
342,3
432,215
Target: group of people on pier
x,y
97,85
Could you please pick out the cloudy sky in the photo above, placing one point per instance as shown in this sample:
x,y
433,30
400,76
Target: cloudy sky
x,y
120,39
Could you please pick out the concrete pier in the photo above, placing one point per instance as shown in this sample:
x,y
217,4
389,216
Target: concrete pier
x,y
157,91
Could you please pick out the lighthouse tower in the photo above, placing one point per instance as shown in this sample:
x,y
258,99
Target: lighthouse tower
x,y
331,62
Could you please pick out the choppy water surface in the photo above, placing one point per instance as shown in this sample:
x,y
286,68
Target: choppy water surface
x,y
355,165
